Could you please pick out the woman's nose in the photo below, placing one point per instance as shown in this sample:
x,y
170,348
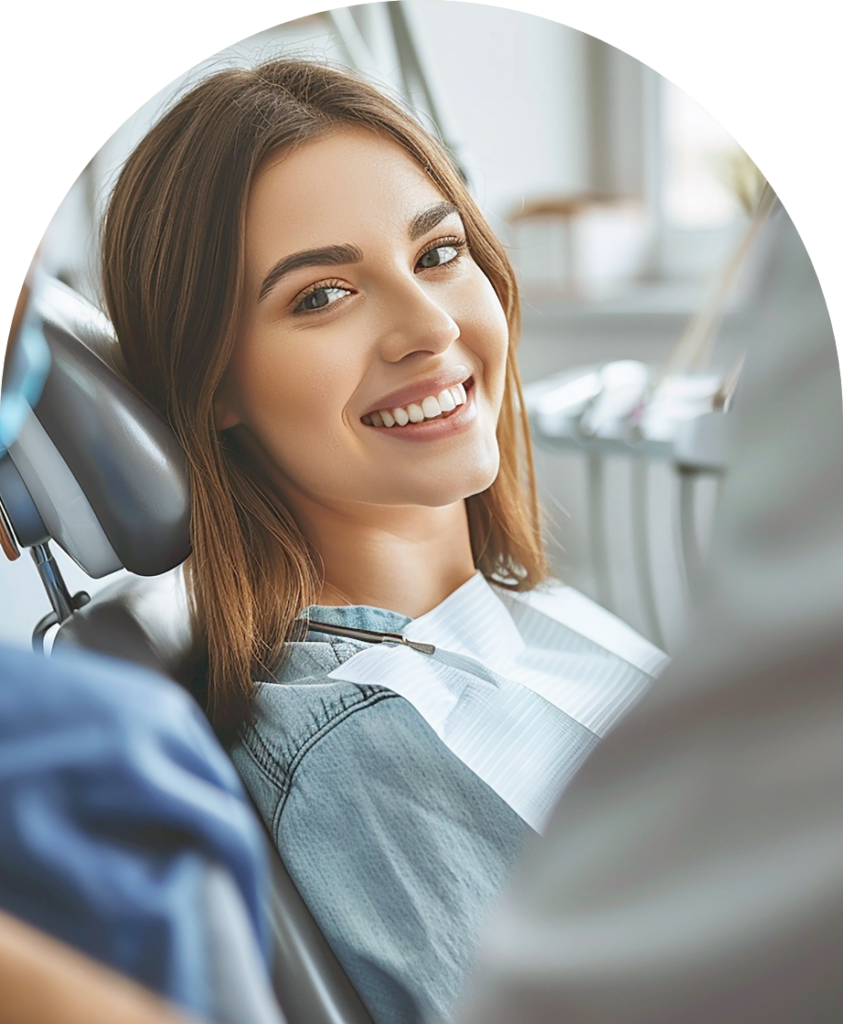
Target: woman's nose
x,y
416,321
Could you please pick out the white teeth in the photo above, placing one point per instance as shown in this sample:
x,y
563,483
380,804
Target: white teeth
x,y
416,412
431,408
446,401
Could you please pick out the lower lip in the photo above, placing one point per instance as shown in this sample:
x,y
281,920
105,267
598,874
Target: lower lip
x,y
433,430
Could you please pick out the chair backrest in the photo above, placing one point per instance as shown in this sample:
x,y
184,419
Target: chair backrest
x,y
95,469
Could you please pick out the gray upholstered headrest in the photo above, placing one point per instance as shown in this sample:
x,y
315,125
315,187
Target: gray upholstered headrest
x,y
94,467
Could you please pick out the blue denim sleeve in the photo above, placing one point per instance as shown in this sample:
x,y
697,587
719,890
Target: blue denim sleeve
x,y
115,797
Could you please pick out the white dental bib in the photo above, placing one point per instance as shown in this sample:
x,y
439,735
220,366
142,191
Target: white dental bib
x,y
520,687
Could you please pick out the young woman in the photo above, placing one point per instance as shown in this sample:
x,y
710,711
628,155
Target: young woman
x,y
301,283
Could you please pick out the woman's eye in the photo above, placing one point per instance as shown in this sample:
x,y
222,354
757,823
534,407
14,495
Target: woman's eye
x,y
438,256
320,297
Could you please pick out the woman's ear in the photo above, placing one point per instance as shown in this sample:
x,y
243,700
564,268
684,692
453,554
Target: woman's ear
x,y
225,420
225,415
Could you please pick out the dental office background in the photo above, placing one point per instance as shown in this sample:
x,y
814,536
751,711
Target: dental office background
x,y
641,186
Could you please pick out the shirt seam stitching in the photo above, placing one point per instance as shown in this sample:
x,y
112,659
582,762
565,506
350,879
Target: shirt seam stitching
x,y
308,745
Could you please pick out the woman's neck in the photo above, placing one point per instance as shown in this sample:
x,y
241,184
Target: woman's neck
x,y
404,558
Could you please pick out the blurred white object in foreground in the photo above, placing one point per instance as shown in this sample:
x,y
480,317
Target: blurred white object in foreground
x,y
693,871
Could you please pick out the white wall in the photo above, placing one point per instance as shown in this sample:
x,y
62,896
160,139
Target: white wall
x,y
516,85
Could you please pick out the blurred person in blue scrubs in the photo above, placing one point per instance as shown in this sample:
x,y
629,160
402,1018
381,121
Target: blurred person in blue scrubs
x,y
124,832
693,871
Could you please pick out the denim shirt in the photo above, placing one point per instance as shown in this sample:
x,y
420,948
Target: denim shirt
x,y
398,849
397,846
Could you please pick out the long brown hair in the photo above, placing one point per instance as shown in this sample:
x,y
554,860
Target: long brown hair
x,y
172,272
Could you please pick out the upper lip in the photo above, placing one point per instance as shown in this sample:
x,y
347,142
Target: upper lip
x,y
415,392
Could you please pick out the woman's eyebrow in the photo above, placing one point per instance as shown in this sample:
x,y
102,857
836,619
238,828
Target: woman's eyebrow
x,y
328,256
429,218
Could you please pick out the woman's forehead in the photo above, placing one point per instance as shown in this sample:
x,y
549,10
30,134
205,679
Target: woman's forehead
x,y
353,180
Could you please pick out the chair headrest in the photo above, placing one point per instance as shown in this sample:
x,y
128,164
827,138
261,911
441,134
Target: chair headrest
x,y
94,468
142,621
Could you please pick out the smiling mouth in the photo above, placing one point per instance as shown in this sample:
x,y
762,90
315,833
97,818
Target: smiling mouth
x,y
433,407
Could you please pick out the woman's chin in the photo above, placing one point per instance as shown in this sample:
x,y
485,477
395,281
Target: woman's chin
x,y
463,483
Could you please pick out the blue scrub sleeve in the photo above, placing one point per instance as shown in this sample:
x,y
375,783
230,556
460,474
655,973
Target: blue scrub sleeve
x,y
115,796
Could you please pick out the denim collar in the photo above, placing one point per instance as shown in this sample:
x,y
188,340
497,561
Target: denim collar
x,y
357,616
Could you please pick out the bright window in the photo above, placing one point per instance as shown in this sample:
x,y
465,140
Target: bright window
x,y
705,170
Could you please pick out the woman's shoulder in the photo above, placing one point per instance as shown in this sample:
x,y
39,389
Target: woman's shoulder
x,y
300,699
310,661
292,713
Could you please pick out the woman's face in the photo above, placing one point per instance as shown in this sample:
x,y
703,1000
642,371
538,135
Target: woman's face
x,y
363,308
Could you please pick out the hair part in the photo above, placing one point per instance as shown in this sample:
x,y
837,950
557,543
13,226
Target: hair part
x,y
172,273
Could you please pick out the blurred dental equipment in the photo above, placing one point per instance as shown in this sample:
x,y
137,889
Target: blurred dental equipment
x,y
672,415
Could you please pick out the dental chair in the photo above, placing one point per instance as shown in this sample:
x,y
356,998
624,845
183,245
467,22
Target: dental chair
x,y
95,470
